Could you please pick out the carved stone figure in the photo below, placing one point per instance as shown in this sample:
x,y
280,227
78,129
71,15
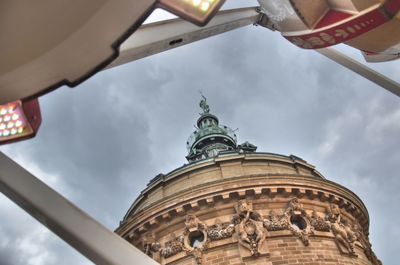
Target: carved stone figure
x,y
295,206
249,229
150,245
198,255
243,207
193,223
173,246
334,214
344,235
251,235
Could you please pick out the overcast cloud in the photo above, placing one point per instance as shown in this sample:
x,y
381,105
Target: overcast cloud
x,y
101,142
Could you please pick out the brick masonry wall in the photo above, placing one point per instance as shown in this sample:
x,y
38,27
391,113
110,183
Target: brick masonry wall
x,y
284,251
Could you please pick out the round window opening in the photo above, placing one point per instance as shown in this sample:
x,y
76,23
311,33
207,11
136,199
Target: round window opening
x,y
298,222
196,239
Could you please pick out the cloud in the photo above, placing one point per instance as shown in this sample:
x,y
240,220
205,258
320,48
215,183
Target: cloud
x,y
101,142
25,241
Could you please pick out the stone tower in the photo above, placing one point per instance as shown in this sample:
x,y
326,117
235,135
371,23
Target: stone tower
x,y
231,205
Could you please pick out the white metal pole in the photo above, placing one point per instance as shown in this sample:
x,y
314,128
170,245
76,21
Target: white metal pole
x,y
161,36
361,69
70,223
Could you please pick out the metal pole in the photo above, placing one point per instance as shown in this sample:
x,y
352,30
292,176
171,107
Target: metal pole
x,y
70,223
361,69
161,36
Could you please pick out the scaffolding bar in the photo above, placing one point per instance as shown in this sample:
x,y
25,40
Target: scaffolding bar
x,y
70,223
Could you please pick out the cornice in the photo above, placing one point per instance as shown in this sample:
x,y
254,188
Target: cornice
x,y
261,186
216,161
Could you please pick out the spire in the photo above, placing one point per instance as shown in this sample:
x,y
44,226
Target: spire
x,y
212,138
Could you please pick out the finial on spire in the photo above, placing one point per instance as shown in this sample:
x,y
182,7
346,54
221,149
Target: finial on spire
x,y
203,104
211,139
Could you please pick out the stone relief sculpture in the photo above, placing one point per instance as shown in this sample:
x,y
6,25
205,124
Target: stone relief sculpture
x,y
243,207
344,235
193,223
299,221
302,234
333,214
198,255
195,237
251,236
295,206
319,223
220,231
250,230
294,218
151,247
276,222
173,247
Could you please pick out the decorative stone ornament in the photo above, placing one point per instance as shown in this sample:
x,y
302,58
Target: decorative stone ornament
x,y
301,228
195,234
319,223
151,247
345,237
250,231
173,247
195,237
299,221
276,222
193,223
295,219
220,231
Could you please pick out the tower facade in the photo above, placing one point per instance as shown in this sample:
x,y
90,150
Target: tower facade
x,y
231,205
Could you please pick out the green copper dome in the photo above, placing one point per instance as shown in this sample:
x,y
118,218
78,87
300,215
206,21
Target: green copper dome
x,y
210,138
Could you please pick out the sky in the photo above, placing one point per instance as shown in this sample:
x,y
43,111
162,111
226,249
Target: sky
x,y
102,141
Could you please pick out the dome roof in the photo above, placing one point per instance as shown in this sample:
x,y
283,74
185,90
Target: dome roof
x,y
210,137
212,130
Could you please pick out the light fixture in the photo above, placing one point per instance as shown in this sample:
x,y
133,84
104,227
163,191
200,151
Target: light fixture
x,y
198,12
19,120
